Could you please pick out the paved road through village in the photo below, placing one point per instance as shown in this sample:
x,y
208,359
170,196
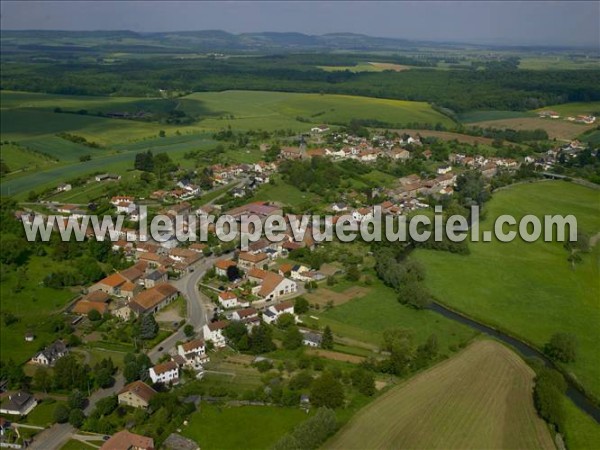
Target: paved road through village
x,y
198,309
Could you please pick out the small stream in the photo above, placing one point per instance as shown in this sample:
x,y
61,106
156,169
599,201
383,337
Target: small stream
x,y
577,396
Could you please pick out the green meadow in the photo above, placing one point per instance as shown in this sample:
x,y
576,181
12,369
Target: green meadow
x,y
32,304
20,159
366,317
119,161
480,116
284,193
581,431
30,120
530,289
248,427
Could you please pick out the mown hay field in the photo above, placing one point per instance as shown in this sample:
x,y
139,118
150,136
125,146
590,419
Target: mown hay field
x,y
481,398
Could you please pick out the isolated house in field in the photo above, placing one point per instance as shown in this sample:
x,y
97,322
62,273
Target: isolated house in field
x,y
165,373
154,299
125,440
137,394
51,354
19,404
311,339
214,332
319,129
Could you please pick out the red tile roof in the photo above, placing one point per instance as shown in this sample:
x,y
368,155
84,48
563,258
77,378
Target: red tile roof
x,y
114,280
125,440
140,389
225,264
193,345
165,367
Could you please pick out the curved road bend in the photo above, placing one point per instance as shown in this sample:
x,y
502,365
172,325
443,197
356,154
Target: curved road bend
x,y
197,305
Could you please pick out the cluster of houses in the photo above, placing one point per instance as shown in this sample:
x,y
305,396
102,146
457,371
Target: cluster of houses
x,y
587,119
357,148
126,205
548,160
256,174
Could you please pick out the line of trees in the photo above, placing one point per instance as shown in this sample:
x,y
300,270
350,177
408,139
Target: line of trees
x,y
498,87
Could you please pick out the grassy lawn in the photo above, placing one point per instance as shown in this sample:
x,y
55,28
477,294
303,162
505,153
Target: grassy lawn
x,y
119,347
43,414
248,427
364,319
283,193
98,354
530,289
32,306
74,444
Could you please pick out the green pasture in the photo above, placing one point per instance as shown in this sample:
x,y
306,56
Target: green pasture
x,y
32,304
530,289
257,109
365,318
480,116
20,159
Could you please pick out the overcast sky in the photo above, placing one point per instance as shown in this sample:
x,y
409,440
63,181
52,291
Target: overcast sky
x,y
533,22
